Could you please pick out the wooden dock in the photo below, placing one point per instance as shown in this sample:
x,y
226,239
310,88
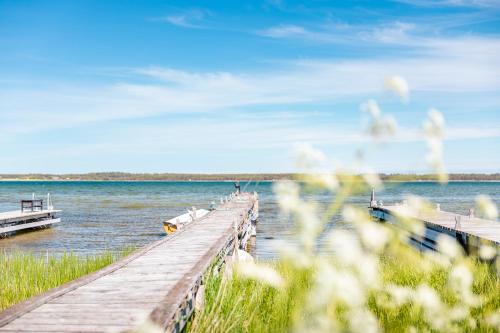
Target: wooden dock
x,y
158,283
470,232
20,220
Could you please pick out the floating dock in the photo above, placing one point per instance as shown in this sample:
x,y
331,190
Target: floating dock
x,y
31,216
471,232
158,283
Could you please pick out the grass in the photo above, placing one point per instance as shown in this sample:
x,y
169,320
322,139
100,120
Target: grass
x,y
245,305
24,275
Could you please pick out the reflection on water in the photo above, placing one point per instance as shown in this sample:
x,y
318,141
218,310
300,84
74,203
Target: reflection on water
x,y
112,215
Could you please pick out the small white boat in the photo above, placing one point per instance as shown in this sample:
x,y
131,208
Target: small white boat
x,y
181,221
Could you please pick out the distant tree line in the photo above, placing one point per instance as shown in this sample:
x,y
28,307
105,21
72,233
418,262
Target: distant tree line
x,y
122,176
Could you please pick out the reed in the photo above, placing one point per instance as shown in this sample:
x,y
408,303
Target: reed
x,y
24,274
250,305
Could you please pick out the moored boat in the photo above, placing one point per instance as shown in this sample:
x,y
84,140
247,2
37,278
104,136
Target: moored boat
x,y
181,221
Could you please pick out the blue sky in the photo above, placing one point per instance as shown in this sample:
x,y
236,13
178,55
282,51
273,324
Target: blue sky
x,y
232,86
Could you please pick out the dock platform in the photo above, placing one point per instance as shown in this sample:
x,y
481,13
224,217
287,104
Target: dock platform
x,y
470,232
158,283
20,220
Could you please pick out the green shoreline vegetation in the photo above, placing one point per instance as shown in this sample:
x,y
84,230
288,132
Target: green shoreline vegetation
x,y
125,176
249,305
25,274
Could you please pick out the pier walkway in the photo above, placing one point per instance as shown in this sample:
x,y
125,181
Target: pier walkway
x,y
470,232
158,283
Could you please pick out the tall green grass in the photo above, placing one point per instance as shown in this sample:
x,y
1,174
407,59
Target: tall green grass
x,y
24,274
248,305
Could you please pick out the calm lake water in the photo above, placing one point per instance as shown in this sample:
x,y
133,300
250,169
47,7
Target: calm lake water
x,y
111,215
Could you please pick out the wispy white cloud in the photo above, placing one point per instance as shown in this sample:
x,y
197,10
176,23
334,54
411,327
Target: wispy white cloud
x,y
453,3
191,18
458,65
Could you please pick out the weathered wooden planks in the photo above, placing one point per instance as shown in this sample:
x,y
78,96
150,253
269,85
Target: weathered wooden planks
x,y
470,232
19,220
158,282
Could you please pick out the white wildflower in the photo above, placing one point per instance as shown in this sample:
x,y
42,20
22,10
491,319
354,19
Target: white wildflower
x,y
374,236
460,280
372,180
293,253
432,306
355,215
461,277
324,287
433,130
486,208
459,313
400,295
428,298
347,289
326,181
493,320
309,223
287,193
261,273
308,157
487,252
391,125
399,86
380,126
371,107
368,271
148,326
345,246
363,321
449,246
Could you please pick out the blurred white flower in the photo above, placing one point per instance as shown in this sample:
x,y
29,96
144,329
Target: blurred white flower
x,y
460,280
374,236
347,289
380,126
398,86
363,321
487,252
324,286
309,223
391,125
459,313
292,253
308,157
371,107
148,326
372,179
287,193
427,298
431,305
368,271
355,215
345,246
261,273
434,125
433,132
486,208
400,295
449,246
461,277
493,320
326,181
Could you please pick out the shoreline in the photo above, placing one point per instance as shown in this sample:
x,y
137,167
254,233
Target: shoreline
x,y
227,180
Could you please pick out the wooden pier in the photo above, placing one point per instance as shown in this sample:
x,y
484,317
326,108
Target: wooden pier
x,y
21,220
157,284
471,232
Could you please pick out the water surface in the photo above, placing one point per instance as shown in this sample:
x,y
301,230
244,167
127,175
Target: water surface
x,y
111,215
